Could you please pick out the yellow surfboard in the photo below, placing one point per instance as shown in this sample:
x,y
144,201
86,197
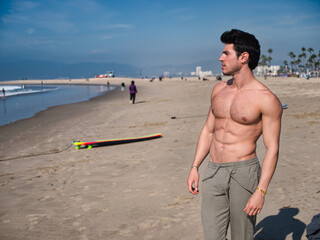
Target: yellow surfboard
x,y
108,142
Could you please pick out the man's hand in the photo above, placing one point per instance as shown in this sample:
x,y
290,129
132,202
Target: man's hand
x,y
193,181
255,203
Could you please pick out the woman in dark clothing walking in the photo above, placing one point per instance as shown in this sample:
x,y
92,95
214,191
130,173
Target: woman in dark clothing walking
x,y
133,91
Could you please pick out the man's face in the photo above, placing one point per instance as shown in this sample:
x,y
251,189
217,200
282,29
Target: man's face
x,y
230,63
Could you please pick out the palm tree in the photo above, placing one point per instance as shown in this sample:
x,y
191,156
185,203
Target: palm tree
x,y
317,65
263,59
318,61
298,62
292,56
310,50
269,58
312,61
263,63
302,58
292,63
285,63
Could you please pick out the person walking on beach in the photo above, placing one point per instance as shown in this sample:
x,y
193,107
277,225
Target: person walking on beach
x,y
3,94
242,108
133,92
122,86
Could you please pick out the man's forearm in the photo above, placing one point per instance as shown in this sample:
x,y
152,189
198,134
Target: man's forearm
x,y
203,147
269,165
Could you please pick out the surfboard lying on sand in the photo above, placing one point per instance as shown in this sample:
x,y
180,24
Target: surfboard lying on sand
x,y
109,142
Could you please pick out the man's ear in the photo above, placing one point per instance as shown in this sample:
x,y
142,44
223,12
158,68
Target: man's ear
x,y
244,57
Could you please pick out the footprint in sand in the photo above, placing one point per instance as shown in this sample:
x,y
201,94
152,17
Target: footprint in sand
x,y
76,224
33,220
180,201
85,207
44,198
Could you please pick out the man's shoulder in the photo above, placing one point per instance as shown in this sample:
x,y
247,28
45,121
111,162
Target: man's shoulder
x,y
264,97
217,88
265,92
262,90
268,101
222,84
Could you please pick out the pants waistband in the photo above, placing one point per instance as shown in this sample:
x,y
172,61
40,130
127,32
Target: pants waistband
x,y
243,163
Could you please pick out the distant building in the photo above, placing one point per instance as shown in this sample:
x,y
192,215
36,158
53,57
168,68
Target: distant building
x,y
266,70
200,73
206,73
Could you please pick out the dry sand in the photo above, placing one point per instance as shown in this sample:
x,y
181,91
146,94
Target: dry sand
x,y
49,190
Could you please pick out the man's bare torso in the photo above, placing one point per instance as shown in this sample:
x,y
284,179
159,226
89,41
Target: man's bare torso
x,y
238,121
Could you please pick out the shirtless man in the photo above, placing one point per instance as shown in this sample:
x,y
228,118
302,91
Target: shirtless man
x,y
234,185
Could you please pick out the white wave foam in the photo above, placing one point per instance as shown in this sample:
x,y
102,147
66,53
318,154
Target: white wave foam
x,y
19,90
10,87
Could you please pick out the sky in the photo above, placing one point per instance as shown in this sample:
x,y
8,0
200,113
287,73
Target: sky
x,y
151,32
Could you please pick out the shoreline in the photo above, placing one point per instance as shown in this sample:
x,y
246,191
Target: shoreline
x,y
117,82
138,191
27,102
56,114
85,81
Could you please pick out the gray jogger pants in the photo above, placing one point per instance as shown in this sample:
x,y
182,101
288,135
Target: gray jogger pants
x,y
226,189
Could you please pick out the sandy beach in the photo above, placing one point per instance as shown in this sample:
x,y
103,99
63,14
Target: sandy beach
x,y
49,190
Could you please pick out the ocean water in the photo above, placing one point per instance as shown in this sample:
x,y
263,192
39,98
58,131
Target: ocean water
x,y
25,101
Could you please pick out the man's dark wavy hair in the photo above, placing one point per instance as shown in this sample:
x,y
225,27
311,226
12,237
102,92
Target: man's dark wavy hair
x,y
243,42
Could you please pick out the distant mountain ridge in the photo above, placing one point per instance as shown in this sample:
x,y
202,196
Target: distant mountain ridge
x,y
38,69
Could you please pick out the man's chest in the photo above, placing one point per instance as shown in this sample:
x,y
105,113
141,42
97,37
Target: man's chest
x,y
241,107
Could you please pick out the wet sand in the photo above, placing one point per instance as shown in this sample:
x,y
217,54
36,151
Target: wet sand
x,y
50,190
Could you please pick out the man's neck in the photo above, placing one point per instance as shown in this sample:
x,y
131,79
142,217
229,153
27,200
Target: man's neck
x,y
243,78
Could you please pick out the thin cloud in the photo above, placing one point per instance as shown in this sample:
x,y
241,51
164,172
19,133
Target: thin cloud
x,y
28,14
24,5
97,51
90,6
110,27
106,37
177,11
30,31
119,25
181,14
186,18
292,20
14,18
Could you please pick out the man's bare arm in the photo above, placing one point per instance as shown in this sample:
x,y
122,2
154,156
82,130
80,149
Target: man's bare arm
x,y
203,145
271,125
202,151
204,141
